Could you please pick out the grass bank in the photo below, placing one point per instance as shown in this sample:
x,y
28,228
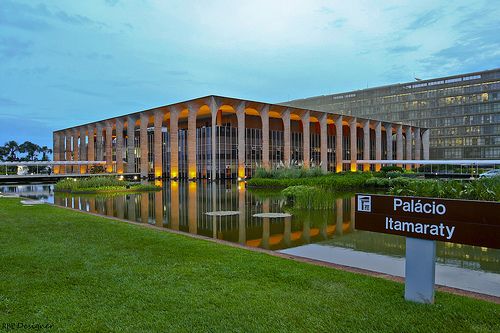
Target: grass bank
x,y
336,181
101,184
87,273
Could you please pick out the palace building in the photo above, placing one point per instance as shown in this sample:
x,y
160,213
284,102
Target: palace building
x,y
218,137
462,111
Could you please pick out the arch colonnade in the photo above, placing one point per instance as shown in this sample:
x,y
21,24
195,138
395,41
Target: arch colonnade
x,y
219,137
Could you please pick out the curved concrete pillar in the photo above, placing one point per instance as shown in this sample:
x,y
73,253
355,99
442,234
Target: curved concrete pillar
x,y
264,114
158,144
83,149
353,131
388,135
399,142
324,141
91,143
306,129
286,136
56,149
109,147
131,144
366,144
76,168
339,145
191,141
425,143
214,108
119,145
409,145
240,115
378,144
174,143
99,143
418,144
68,151
143,133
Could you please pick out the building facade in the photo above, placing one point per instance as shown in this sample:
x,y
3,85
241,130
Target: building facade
x,y
462,111
219,137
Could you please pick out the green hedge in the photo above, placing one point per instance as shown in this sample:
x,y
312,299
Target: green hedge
x,y
341,181
100,184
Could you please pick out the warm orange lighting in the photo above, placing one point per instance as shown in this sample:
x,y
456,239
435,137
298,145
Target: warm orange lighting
x,y
366,167
354,167
173,173
377,167
241,173
83,169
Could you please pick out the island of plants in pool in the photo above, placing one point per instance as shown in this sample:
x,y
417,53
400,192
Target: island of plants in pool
x,y
101,185
314,189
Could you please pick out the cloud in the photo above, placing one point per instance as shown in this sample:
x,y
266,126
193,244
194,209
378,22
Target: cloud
x,y
14,48
38,17
403,49
426,19
7,102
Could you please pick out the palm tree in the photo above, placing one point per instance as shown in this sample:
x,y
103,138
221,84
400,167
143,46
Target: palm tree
x,y
11,149
45,151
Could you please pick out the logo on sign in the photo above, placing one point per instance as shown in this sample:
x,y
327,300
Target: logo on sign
x,y
364,203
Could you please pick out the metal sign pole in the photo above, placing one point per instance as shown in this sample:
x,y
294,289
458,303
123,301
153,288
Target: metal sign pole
x,y
420,269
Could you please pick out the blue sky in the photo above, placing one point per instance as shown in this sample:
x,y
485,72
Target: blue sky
x,y
63,63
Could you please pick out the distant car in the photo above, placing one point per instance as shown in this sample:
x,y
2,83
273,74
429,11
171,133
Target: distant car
x,y
490,173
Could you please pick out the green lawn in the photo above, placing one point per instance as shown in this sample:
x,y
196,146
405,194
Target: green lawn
x,y
85,273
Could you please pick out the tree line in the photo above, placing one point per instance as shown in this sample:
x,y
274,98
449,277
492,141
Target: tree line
x,y
11,151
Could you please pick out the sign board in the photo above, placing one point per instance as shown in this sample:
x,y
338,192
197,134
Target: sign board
x,y
456,221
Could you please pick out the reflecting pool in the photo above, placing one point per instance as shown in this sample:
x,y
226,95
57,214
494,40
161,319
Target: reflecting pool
x,y
184,206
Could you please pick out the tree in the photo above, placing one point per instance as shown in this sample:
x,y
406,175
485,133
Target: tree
x,y
45,151
11,149
30,149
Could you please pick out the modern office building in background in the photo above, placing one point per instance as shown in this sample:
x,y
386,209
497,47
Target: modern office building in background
x,y
221,137
462,111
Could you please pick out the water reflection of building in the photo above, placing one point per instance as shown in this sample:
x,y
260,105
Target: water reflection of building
x,y
220,137
182,206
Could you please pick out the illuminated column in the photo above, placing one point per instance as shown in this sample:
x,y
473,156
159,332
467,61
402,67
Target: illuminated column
x,y
324,141
99,143
353,130
286,136
174,143
56,148
119,145
214,108
399,142
264,114
120,206
418,145
76,167
378,144
242,230
307,138
68,151
158,144
240,114
366,144
90,146
143,133
109,147
388,134
425,143
193,208
408,145
174,205
83,149
191,141
338,145
130,144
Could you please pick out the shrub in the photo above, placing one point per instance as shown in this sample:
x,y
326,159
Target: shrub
x,y
308,197
389,168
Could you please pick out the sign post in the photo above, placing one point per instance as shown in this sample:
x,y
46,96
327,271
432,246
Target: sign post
x,y
423,221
